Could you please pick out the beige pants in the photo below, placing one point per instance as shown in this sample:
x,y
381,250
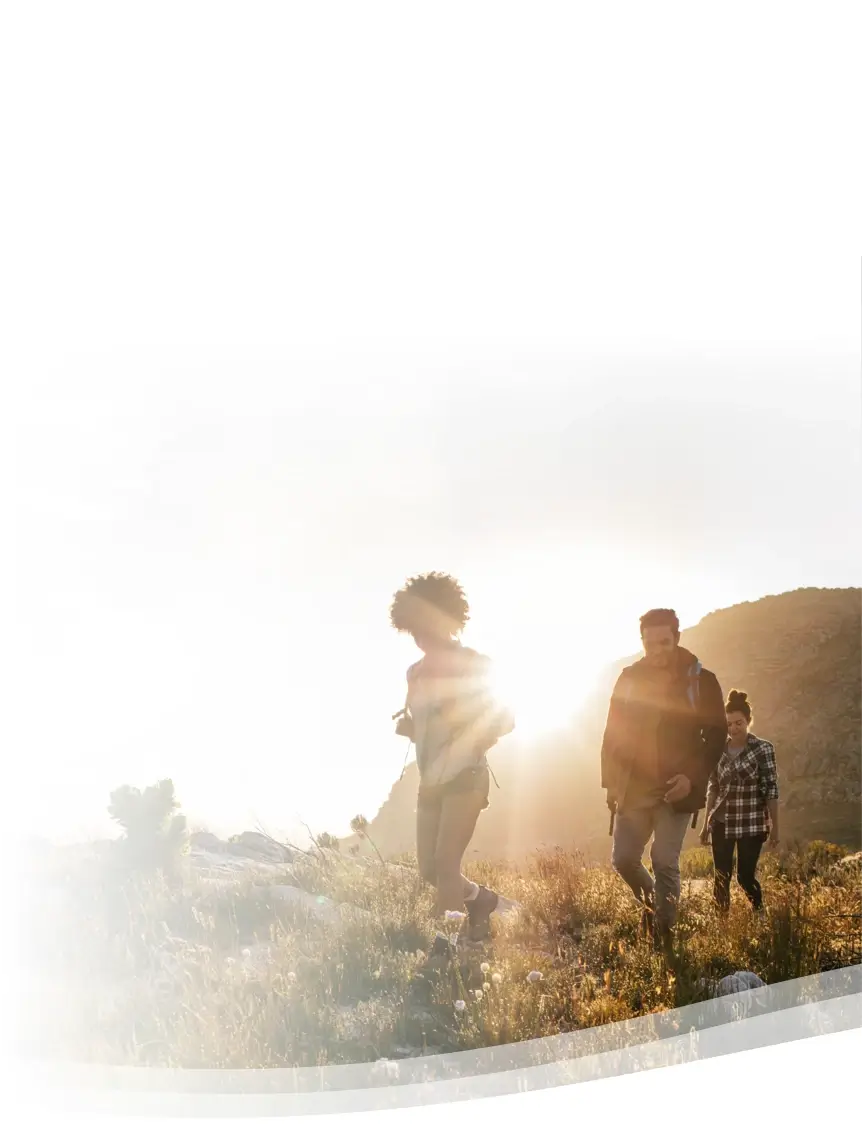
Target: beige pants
x,y
446,819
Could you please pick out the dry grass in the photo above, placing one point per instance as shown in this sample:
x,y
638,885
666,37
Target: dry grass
x,y
172,974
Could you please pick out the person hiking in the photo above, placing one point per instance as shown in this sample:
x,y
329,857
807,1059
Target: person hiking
x,y
741,805
453,719
664,735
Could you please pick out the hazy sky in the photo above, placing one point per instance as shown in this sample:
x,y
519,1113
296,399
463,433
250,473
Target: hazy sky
x,y
295,316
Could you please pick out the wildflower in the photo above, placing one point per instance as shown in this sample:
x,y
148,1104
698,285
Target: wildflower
x,y
455,916
485,967
486,986
291,976
478,995
460,1006
496,978
534,976
246,953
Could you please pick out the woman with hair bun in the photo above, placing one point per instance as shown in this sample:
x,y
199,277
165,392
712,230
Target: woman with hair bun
x,y
741,805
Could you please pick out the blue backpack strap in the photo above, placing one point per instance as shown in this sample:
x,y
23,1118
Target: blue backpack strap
x,y
694,683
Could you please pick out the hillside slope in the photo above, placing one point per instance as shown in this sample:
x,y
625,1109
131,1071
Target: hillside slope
x,y
798,657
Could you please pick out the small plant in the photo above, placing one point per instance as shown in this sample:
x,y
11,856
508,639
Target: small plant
x,y
696,863
359,827
155,834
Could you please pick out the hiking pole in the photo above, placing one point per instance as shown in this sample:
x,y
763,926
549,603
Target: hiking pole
x,y
613,818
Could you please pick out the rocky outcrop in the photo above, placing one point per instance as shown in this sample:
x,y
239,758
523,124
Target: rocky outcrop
x,y
250,845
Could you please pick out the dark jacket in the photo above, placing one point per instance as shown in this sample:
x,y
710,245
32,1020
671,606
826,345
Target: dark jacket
x,y
686,723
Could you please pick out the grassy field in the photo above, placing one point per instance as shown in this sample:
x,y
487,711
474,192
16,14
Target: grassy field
x,y
174,974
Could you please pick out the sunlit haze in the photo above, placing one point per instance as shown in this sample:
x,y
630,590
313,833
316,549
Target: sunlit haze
x,y
283,359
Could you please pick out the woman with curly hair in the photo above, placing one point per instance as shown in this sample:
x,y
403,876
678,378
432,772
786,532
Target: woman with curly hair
x,y
742,805
453,719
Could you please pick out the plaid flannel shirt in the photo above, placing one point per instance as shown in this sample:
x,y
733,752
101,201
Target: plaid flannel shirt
x,y
743,784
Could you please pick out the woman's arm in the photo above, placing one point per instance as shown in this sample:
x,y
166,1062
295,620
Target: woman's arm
x,y
767,777
772,809
710,804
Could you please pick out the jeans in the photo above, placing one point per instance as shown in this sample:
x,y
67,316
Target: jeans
x,y
632,830
748,850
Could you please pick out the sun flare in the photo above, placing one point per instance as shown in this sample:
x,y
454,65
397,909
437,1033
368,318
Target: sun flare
x,y
543,691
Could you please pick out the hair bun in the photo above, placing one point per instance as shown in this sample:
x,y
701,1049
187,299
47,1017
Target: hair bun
x,y
737,703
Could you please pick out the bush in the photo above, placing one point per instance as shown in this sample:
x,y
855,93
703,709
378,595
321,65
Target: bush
x,y
696,863
809,861
154,833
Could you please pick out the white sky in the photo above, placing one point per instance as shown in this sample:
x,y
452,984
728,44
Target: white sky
x,y
304,299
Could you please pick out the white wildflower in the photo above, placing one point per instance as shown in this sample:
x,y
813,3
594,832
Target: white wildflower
x,y
455,916
486,986
496,978
460,1006
485,967
478,995
291,976
534,976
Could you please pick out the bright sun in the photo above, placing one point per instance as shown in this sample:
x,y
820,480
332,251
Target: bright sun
x,y
551,625
559,614
543,688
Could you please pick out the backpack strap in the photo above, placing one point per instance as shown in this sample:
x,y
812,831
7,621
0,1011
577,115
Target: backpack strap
x,y
406,755
694,683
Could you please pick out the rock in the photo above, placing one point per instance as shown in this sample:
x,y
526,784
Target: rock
x,y
257,846
208,842
318,906
737,983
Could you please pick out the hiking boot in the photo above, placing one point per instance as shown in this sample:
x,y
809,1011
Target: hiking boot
x,y
479,914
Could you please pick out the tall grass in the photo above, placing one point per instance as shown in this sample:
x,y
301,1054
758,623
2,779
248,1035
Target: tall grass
x,y
170,973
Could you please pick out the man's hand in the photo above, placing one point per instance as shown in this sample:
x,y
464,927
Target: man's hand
x,y
612,804
678,788
774,840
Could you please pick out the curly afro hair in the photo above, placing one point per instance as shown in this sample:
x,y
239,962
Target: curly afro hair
x,y
432,603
